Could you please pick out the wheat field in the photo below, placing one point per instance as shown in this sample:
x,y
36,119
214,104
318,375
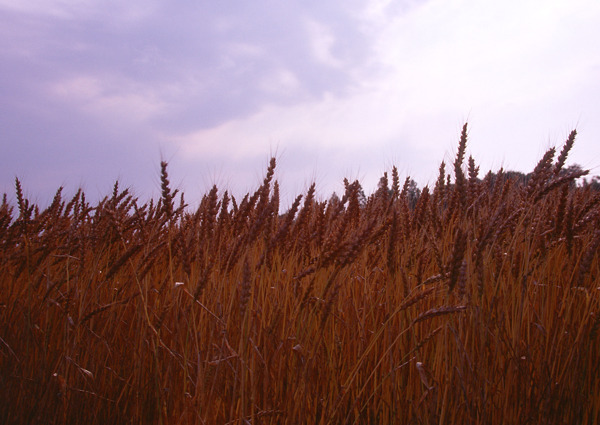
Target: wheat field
x,y
476,301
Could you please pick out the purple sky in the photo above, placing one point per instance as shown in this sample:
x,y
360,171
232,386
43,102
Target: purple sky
x,y
94,91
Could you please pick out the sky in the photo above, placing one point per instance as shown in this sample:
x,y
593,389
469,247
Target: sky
x,y
97,91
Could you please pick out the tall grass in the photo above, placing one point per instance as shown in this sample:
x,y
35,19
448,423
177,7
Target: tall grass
x,y
478,303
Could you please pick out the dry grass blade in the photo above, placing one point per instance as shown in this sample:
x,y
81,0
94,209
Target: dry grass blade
x,y
130,252
441,311
245,288
458,253
587,259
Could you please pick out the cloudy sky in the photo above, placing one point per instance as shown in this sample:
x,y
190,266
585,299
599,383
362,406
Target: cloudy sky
x,y
94,91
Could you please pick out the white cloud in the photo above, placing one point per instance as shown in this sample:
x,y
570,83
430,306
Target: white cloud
x,y
435,66
281,82
236,54
55,8
486,50
326,123
322,41
110,101
116,11
393,79
491,62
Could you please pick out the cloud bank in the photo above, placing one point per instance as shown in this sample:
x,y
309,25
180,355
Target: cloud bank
x,y
92,92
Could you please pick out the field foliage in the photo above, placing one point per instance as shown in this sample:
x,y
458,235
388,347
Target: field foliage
x,y
475,302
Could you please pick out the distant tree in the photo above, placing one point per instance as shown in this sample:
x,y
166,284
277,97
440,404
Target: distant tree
x,y
517,176
594,183
383,188
334,199
572,169
521,178
360,193
413,193
362,198
383,184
